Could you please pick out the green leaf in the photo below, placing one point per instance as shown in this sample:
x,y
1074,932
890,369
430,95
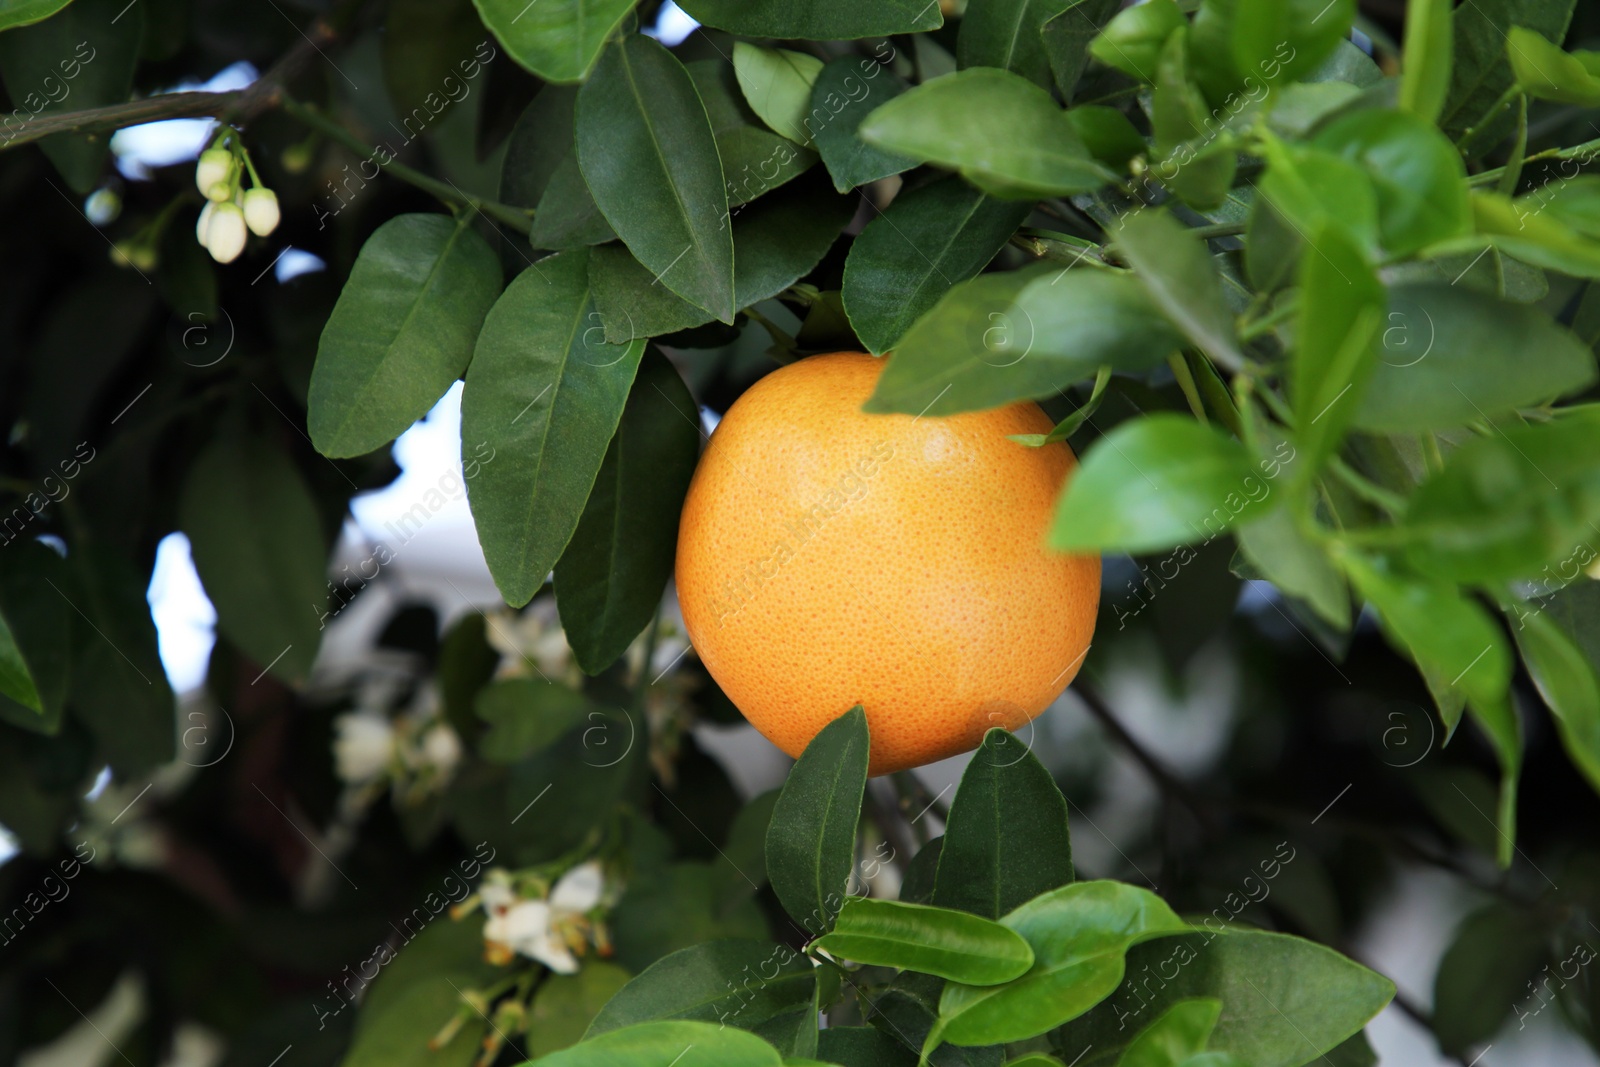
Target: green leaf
x,y
1450,356
38,620
678,907
1504,507
1108,134
427,48
1006,840
863,1046
1284,556
1177,271
526,716
1567,682
1311,189
567,216
539,142
1080,934
16,680
1152,483
777,85
1176,1034
905,259
545,392
610,579
649,157
930,940
401,333
565,1003
777,240
816,20
742,983
662,1044
1426,58
1545,72
556,39
257,541
1417,174
754,159
811,840
398,1034
1480,71
1067,37
1008,34
82,58
1021,335
1132,41
1555,240
949,121
23,12
1308,30
845,92
1484,974
1341,312
1285,1001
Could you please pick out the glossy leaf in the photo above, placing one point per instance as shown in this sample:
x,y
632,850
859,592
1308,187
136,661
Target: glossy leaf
x,y
661,1044
816,20
1132,41
1341,313
1417,174
1152,483
545,392
1008,34
1426,57
401,333
1311,189
907,258
754,159
558,40
38,620
811,840
863,1046
729,982
567,216
1545,72
1567,682
1067,37
23,12
1006,840
777,85
1177,271
1080,935
931,940
1021,335
16,680
1449,356
1480,70
1524,228
610,579
1281,40
950,122
1173,1036
1290,560
648,155
845,92
257,541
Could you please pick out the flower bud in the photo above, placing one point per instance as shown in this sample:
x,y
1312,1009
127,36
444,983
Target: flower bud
x,y
221,230
261,211
214,174
140,257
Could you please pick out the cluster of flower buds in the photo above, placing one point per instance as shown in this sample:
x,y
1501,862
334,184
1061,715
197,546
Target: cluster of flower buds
x,y
230,209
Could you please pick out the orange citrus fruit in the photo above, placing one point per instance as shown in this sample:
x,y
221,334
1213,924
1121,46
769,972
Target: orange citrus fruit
x,y
828,558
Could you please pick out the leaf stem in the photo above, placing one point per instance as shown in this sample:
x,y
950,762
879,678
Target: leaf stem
x,y
1472,133
1185,380
1519,150
1256,327
1391,502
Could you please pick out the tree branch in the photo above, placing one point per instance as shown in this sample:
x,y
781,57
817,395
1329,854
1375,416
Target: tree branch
x,y
1164,778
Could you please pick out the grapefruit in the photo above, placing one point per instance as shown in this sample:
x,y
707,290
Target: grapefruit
x,y
828,558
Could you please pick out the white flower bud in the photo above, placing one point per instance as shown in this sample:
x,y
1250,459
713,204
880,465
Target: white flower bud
x,y
366,741
222,231
214,174
261,211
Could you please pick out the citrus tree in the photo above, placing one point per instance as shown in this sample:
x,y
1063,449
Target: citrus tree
x,y
1314,314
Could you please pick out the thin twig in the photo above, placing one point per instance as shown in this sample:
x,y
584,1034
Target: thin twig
x,y
1169,782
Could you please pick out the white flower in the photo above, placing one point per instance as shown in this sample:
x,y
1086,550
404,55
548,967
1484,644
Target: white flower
x,y
544,930
364,747
214,174
221,230
261,211
533,637
441,748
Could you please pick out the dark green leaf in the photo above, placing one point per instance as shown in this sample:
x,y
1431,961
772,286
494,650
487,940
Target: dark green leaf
x,y
1177,271
397,1035
776,83
1173,1036
816,20
1021,335
1008,34
1079,934
811,841
649,157
740,868
610,579
1484,974
567,216
1133,40
401,333
575,783
845,92
663,1043
906,259
1427,57
257,542
545,392
1285,1001
1341,314
538,143
1067,36
526,716
84,57
1417,174
1006,840
1480,71
677,908
739,983
863,1046
38,621
754,159
427,51
930,940
1567,682
1450,356
565,1003
16,680
949,121
556,39
1153,483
